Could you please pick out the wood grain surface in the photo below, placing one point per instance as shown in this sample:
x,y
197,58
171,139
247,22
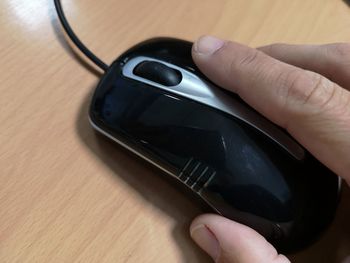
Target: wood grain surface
x,y
67,195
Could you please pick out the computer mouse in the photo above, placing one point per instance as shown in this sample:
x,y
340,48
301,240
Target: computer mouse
x,y
155,102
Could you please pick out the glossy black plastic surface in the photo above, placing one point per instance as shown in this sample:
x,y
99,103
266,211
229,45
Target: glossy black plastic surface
x,y
236,169
150,70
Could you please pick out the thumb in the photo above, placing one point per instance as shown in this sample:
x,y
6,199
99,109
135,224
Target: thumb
x,y
229,242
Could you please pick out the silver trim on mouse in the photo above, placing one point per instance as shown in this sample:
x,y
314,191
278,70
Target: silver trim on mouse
x,y
261,224
161,167
201,91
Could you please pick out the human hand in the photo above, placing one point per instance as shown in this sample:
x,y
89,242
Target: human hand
x,y
303,89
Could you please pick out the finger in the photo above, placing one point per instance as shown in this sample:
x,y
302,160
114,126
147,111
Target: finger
x,y
227,241
331,60
346,260
313,109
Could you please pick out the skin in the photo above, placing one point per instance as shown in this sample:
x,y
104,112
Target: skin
x,y
302,88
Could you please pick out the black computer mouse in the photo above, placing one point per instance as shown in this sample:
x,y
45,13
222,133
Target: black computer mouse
x,y
155,102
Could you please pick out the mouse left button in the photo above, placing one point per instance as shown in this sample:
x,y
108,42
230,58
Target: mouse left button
x,y
158,72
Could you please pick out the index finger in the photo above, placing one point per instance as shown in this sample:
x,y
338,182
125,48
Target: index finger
x,y
313,109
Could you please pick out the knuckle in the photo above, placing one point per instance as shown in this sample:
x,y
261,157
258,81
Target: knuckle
x,y
249,58
275,48
340,106
338,55
302,89
340,50
337,63
289,85
321,91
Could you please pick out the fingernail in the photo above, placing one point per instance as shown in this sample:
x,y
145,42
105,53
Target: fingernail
x,y
207,45
206,240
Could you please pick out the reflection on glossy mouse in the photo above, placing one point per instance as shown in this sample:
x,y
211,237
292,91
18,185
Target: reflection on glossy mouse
x,y
154,101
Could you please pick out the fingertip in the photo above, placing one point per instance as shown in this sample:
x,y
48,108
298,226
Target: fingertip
x,y
225,241
208,220
206,240
207,45
219,224
199,221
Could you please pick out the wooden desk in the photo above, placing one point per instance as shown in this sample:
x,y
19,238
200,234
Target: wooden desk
x,y
67,195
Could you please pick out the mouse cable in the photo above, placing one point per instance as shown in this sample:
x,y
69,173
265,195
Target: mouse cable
x,y
75,39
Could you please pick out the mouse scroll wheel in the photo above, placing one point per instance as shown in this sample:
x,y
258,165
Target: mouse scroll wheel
x,y
158,72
